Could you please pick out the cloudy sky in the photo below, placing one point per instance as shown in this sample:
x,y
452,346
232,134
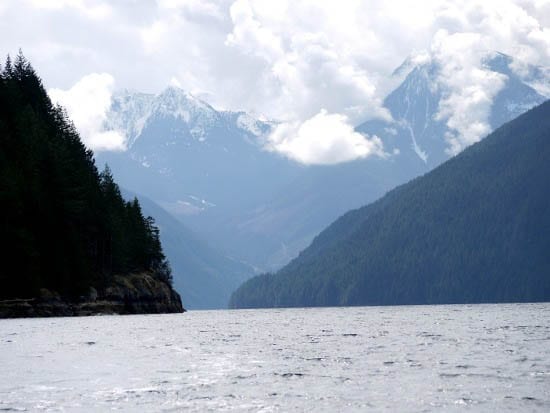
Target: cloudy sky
x,y
320,67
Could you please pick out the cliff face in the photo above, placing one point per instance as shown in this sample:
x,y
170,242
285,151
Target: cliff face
x,y
130,294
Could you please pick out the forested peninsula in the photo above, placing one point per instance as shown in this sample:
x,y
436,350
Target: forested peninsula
x,y
71,244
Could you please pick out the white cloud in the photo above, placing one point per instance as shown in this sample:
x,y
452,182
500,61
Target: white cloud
x,y
87,104
90,8
285,59
323,54
194,9
153,35
310,58
324,139
175,82
250,35
468,88
317,87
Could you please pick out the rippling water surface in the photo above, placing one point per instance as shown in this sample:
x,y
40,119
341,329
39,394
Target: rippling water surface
x,y
418,358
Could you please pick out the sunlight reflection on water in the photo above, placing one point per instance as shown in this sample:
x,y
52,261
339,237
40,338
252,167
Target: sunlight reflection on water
x,y
415,358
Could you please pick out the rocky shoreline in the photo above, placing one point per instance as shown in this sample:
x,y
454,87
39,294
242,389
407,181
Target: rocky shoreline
x,y
130,294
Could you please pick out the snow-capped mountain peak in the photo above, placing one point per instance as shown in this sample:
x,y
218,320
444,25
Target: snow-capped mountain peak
x,y
498,62
176,102
422,59
416,104
131,112
128,113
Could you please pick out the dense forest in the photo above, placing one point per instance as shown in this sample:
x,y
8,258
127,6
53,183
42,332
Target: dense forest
x,y
476,229
64,225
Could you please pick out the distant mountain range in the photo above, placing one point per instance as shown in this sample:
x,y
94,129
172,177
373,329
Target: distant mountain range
x,y
475,229
210,168
204,166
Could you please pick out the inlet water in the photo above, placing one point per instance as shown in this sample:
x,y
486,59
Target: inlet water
x,y
409,358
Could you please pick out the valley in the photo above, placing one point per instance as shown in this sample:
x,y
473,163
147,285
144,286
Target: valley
x,y
216,174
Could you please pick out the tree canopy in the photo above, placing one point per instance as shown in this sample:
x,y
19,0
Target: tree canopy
x,y
64,225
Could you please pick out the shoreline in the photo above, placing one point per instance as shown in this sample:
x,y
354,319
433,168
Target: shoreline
x,y
130,294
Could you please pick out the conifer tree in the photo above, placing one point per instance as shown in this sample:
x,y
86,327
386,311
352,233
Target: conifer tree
x,y
8,70
65,226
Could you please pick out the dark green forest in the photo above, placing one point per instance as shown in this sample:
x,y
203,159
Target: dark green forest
x,y
476,229
64,225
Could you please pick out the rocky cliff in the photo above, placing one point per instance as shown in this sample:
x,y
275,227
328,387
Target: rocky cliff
x,y
130,294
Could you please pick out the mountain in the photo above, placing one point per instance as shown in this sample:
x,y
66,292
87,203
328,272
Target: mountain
x,y
210,169
475,229
206,167
205,277
416,134
71,244
190,158
291,218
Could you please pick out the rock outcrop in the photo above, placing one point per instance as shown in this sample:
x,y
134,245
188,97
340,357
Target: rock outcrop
x,y
129,294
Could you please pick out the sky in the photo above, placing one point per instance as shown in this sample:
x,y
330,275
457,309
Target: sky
x,y
319,67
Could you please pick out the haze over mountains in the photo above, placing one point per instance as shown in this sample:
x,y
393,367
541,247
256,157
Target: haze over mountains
x,y
205,277
475,229
215,172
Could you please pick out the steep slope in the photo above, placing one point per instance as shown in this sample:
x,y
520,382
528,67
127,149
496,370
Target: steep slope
x,y
68,236
418,134
204,276
277,229
475,229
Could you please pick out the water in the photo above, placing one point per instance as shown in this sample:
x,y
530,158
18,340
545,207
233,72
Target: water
x,y
422,358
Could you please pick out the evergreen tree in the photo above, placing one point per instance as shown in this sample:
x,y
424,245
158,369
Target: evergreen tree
x,y
65,226
7,68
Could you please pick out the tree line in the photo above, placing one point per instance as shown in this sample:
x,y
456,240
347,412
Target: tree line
x,y
65,226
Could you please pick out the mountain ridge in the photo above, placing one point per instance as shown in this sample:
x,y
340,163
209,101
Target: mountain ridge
x,y
260,207
485,210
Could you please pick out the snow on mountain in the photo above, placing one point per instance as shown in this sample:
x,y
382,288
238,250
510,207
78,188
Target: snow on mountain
x,y
128,113
248,123
518,96
131,112
176,103
209,168
187,154
418,130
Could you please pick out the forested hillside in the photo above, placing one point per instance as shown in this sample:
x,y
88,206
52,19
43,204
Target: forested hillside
x,y
475,229
64,226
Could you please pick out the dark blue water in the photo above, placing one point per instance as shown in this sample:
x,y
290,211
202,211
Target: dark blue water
x,y
420,358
